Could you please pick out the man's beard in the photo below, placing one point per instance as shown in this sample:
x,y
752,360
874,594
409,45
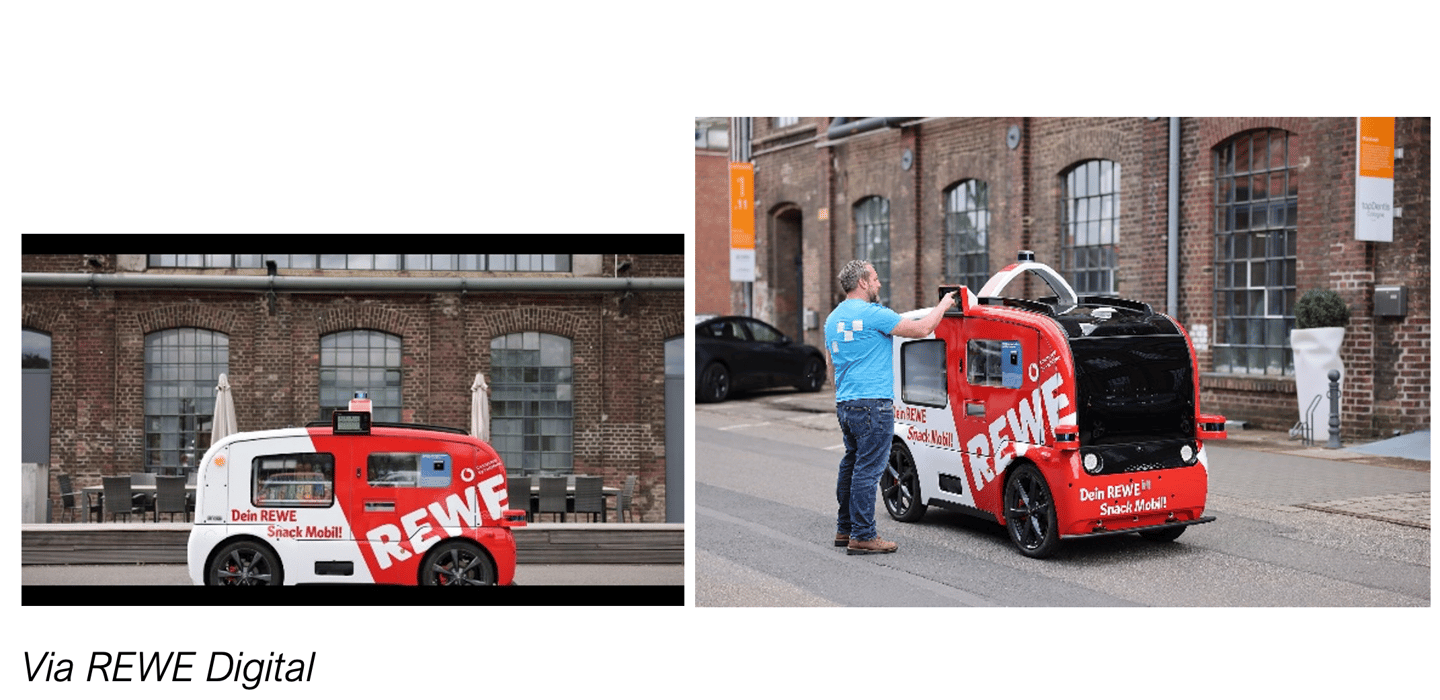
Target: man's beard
x,y
875,296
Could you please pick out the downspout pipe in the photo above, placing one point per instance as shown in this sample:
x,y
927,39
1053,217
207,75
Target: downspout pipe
x,y
262,283
1172,216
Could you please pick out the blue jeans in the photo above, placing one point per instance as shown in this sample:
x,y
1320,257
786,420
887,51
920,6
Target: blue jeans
x,y
868,426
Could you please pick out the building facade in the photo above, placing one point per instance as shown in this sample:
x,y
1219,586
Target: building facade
x,y
1262,210
577,351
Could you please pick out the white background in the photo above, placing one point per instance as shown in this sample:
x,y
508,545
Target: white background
x,y
575,117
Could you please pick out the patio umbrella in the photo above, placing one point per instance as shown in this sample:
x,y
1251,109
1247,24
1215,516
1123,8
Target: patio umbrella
x,y
224,421
480,408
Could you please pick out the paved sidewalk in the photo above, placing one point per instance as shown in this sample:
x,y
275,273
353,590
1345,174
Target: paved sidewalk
x,y
1385,480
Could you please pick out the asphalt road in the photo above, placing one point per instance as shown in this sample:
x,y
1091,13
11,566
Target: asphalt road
x,y
765,517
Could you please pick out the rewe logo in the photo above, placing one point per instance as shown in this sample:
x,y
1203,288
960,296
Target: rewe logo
x,y
990,452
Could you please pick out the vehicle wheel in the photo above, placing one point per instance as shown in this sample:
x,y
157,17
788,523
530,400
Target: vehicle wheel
x,y
457,563
1169,534
900,486
1030,513
714,383
245,563
814,375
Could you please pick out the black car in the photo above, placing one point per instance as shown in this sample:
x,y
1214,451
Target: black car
x,y
734,353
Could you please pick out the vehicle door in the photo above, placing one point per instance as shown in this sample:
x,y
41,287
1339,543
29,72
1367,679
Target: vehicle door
x,y
774,356
996,401
400,501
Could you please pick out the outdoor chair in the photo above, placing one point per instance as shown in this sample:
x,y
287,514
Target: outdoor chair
x,y
519,487
552,496
145,500
69,499
170,497
119,497
589,497
622,502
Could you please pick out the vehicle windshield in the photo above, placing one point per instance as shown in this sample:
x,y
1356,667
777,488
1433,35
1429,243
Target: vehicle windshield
x,y
1134,389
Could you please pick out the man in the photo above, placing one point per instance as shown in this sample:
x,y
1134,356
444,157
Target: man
x,y
857,333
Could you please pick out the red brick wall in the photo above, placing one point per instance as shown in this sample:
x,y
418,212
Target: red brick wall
x,y
97,403
1387,360
712,232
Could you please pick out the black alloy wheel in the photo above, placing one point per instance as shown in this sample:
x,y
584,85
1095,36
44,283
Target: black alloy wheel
x,y
457,563
1030,512
714,383
900,486
245,563
814,377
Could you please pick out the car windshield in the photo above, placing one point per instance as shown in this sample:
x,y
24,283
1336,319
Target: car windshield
x,y
1134,388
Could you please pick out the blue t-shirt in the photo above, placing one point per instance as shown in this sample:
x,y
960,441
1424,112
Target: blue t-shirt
x,y
857,334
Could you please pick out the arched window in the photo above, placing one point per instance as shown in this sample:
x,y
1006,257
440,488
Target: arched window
x,y
1090,226
872,239
967,234
1255,208
182,367
360,360
532,402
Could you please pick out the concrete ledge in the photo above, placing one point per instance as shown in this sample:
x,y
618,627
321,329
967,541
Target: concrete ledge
x,y
536,543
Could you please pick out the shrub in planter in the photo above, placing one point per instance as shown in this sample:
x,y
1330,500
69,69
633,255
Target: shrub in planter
x,y
1321,308
1320,318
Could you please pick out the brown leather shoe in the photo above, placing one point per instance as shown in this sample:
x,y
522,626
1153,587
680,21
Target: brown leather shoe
x,y
841,539
872,546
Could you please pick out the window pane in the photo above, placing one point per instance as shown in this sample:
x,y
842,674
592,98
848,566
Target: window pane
x,y
540,372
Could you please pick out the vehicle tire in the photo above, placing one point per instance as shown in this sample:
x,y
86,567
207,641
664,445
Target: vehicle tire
x,y
1169,534
457,563
814,377
714,383
900,486
1030,512
245,563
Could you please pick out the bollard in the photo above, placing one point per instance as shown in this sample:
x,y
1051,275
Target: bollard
x,y
1334,395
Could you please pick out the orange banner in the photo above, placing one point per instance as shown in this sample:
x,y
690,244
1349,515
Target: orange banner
x,y
742,205
1377,147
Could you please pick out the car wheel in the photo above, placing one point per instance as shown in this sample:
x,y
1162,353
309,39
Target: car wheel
x,y
814,376
900,486
245,563
714,383
1169,534
1030,512
457,563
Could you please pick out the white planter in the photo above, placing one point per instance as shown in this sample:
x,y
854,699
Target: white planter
x,y
1317,351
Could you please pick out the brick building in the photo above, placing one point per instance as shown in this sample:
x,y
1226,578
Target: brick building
x,y
1263,210
583,353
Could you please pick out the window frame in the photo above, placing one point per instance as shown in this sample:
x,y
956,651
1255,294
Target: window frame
x,y
166,379
967,265
1255,266
387,401
1086,193
912,391
872,238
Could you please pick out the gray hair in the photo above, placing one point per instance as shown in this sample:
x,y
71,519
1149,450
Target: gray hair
x,y
852,273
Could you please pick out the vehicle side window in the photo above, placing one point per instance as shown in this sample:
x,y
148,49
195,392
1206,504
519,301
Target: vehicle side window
x,y
922,373
762,333
302,480
982,363
408,469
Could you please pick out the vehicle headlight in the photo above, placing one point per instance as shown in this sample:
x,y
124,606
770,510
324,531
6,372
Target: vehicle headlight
x,y
1092,463
1187,454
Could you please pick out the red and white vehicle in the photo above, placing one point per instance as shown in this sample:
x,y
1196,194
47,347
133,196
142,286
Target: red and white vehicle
x,y
352,502
1061,417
